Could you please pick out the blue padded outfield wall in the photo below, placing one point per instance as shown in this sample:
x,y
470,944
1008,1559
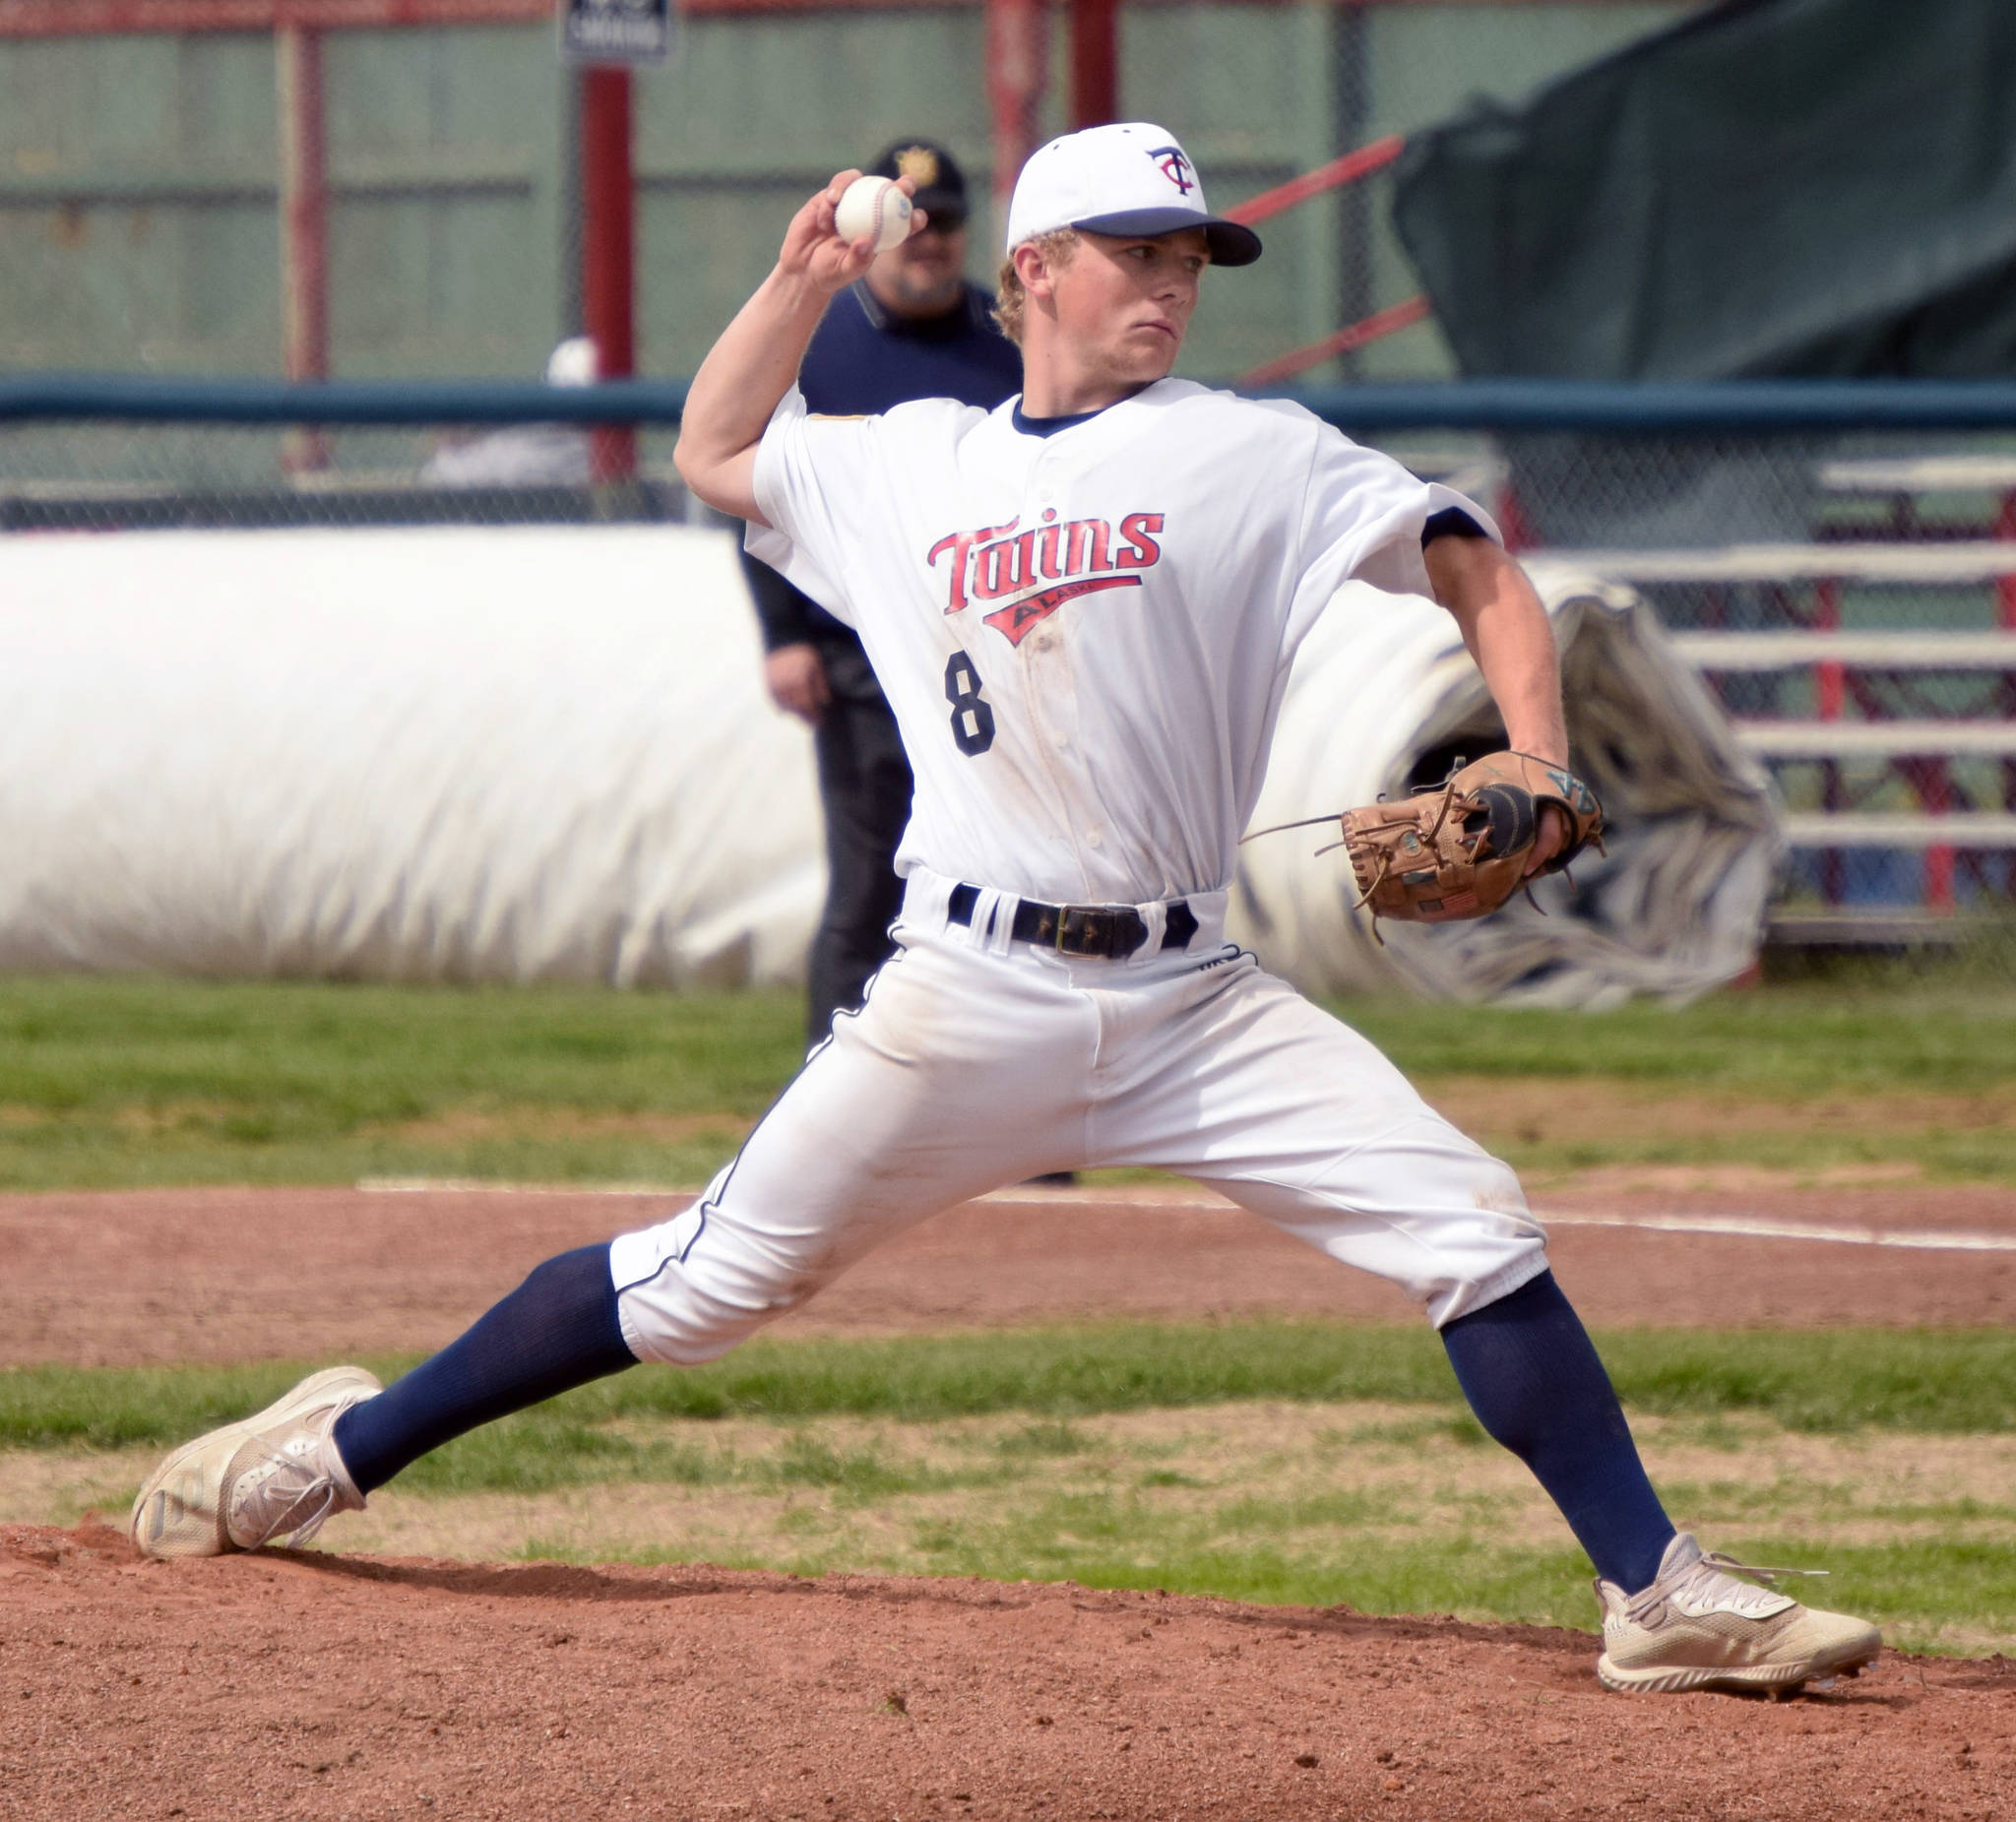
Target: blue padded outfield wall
x,y
138,226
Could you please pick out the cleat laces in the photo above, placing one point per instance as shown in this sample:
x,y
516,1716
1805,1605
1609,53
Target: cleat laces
x,y
1709,1582
1715,1560
282,1495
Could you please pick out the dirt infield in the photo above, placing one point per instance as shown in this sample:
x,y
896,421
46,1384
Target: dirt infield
x,y
320,1686
242,1274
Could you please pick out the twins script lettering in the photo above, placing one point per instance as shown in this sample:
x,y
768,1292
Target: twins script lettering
x,y
1036,572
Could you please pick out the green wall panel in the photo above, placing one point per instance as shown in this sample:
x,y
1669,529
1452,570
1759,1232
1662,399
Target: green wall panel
x,y
445,173
138,194
1248,89
783,93
756,114
136,214
227,288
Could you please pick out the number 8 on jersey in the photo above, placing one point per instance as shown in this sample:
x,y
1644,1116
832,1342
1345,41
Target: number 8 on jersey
x,y
972,715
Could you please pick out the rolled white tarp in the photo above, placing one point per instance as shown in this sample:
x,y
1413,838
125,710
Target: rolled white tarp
x,y
1384,693
545,754
482,754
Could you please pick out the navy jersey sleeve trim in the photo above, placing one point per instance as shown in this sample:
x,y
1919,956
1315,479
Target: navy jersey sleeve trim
x,y
1451,522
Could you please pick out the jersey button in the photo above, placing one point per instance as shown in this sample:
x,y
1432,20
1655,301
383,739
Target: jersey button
x,y
1095,838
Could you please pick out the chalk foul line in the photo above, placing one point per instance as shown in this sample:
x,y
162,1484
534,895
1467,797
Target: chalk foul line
x,y
1762,1227
1732,1227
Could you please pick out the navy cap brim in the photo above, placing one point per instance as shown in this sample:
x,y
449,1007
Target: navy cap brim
x,y
1229,243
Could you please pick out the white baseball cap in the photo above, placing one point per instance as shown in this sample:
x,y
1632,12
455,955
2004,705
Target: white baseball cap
x,y
1127,179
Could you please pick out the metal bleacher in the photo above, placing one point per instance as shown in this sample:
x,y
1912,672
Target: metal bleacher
x,y
1892,738
1911,729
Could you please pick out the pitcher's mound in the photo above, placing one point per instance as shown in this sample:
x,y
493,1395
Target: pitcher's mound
x,y
307,1684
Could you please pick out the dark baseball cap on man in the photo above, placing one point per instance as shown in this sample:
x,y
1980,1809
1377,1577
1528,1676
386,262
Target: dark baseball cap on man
x,y
941,185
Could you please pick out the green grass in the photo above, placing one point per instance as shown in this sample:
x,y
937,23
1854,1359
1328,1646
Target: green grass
x,y
1305,1505
381,1053
116,1082
1123,1543
1401,1550
113,1081
1822,1381
1958,1154
1786,1042
109,1082
1274,1463
1915,1590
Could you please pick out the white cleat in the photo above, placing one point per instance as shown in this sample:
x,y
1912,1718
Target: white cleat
x,y
274,1475
1697,1628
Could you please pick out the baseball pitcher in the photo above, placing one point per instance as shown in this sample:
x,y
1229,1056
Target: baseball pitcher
x,y
1083,606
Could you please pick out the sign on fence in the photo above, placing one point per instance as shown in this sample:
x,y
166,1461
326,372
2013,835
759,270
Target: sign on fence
x,y
616,30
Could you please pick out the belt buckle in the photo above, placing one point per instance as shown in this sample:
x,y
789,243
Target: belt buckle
x,y
1070,916
1099,932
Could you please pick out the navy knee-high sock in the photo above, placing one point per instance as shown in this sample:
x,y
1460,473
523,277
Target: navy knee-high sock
x,y
1532,1375
557,1330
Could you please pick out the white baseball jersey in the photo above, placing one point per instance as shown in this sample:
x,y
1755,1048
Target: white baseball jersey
x,y
1085,634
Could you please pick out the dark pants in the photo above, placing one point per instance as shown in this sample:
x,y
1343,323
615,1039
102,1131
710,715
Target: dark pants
x,y
864,782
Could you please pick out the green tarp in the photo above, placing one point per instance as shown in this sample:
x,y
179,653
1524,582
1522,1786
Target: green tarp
x,y
1789,187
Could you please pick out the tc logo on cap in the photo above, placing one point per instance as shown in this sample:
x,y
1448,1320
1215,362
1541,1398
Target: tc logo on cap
x,y
1170,162
1116,180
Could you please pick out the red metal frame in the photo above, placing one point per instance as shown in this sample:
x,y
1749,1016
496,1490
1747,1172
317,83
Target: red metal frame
x,y
304,205
1351,168
2005,589
608,250
1830,696
304,226
1094,62
1018,55
62,19
1332,176
1374,327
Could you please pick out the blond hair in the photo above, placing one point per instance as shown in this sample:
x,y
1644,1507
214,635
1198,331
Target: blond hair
x,y
1011,301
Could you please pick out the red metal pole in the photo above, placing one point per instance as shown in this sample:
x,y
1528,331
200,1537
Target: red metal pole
x,y
608,251
1018,60
1830,676
1830,696
1376,327
1349,168
303,224
2005,586
1094,63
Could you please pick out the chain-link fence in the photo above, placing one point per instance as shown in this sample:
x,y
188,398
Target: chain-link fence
x,y
1849,593
116,477
1362,205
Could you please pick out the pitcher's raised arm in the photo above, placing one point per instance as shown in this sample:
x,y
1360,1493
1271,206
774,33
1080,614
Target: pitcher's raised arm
x,y
755,361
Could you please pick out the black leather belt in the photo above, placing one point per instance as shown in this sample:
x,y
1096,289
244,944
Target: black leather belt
x,y
1106,931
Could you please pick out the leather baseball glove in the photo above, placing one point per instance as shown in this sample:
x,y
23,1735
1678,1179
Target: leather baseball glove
x,y
1462,850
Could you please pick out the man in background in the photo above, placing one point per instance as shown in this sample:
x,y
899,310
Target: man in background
x,y
912,327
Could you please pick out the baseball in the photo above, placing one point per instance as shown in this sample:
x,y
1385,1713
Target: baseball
x,y
873,207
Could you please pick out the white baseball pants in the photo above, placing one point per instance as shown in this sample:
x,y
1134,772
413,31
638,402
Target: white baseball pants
x,y
978,1063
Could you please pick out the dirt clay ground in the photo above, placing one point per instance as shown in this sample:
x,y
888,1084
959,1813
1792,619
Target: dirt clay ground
x,y
316,1685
